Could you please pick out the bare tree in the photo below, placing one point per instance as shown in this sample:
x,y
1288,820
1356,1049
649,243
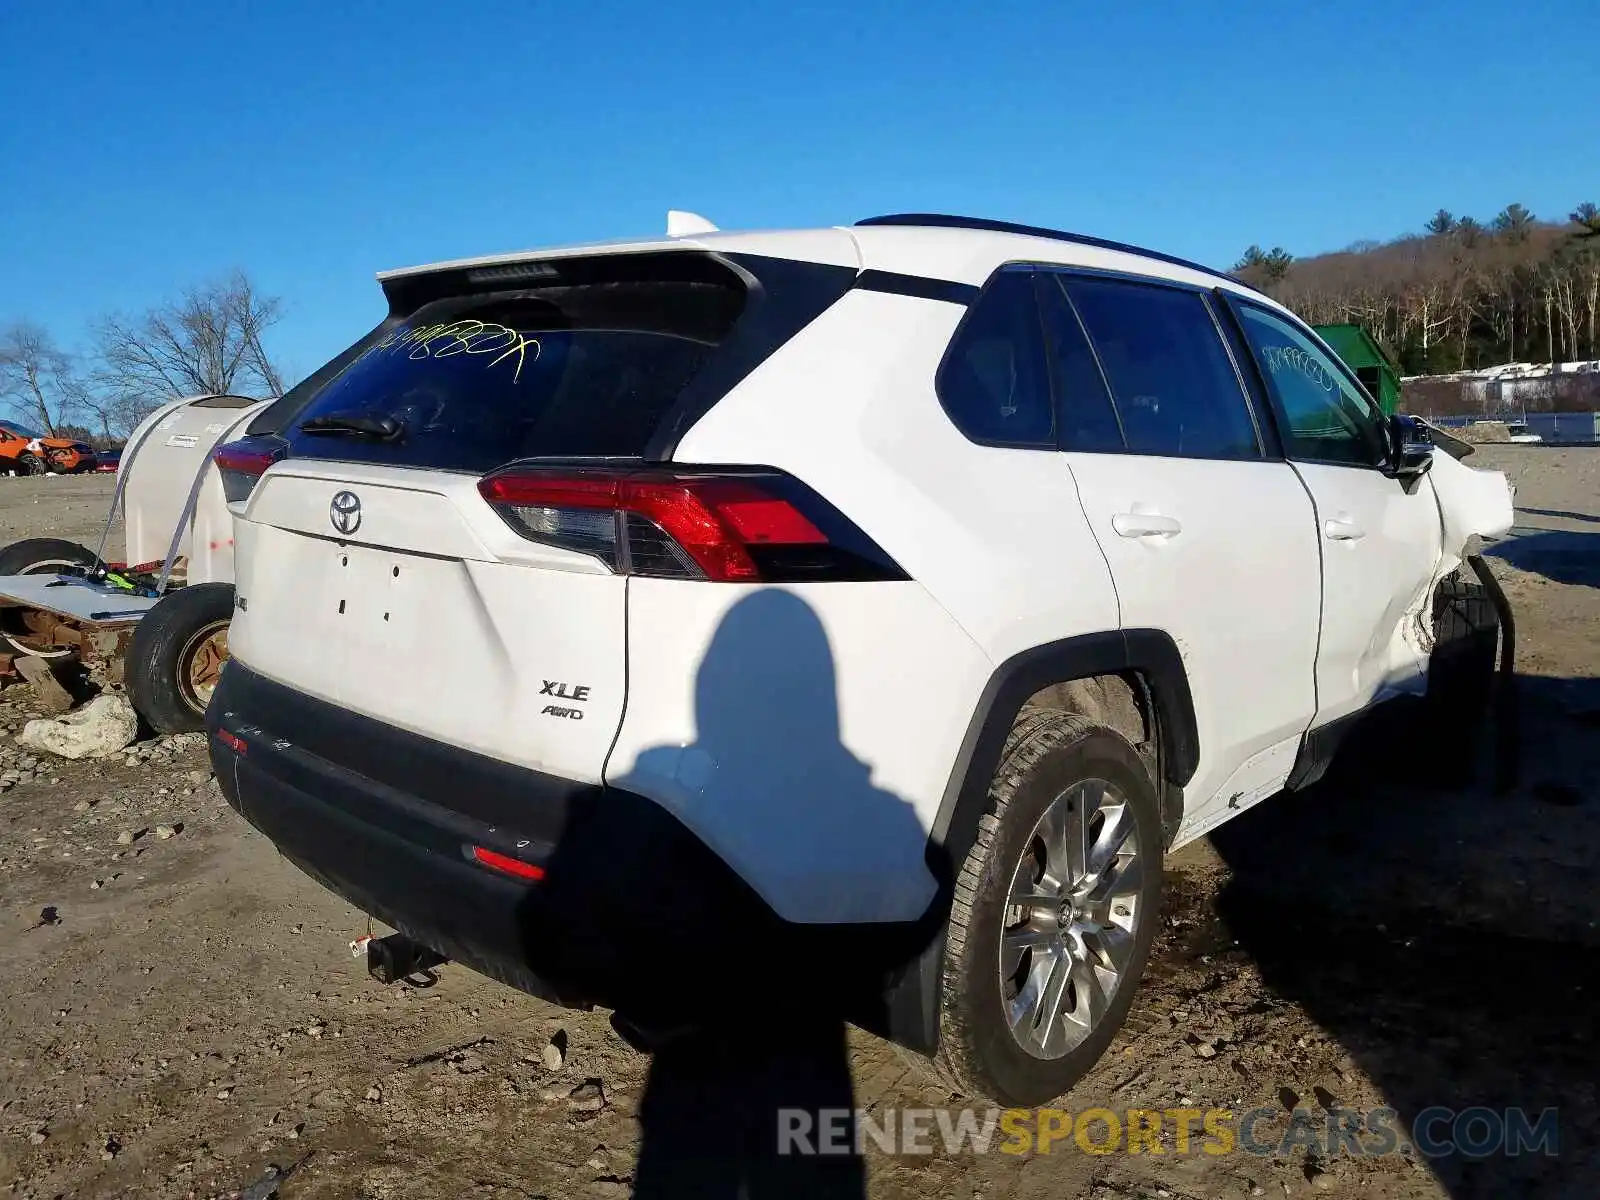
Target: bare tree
x,y
1424,304
1456,299
208,341
1578,261
99,409
36,375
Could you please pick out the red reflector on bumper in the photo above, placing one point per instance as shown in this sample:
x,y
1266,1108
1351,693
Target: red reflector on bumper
x,y
236,744
507,865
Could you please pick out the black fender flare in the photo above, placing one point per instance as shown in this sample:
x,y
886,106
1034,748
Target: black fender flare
x,y
1150,653
910,1014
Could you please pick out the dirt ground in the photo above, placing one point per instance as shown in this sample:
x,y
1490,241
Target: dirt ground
x,y
179,1012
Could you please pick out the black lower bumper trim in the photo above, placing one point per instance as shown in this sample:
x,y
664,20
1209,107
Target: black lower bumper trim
x,y
633,911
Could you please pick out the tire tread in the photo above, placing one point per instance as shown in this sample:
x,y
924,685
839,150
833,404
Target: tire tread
x,y
1035,734
151,664
18,557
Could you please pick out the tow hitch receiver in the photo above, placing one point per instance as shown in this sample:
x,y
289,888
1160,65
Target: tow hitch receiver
x,y
397,959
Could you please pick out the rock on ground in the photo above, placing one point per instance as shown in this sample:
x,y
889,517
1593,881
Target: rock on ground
x,y
99,729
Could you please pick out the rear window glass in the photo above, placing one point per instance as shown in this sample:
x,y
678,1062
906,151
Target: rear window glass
x,y
478,381
993,382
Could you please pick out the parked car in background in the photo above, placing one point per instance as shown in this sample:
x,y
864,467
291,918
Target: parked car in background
x,y
1523,436
107,462
24,452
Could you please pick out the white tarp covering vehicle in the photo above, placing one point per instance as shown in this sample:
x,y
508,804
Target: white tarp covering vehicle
x,y
156,618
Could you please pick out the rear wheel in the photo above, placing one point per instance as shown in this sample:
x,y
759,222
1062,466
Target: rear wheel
x,y
1053,912
28,631
29,463
176,654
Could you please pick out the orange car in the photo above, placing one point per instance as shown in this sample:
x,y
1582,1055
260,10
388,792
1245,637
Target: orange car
x,y
24,452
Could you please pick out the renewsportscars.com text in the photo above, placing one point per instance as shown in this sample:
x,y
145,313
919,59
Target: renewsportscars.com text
x,y
1433,1133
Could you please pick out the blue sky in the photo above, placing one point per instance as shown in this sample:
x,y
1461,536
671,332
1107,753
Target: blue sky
x,y
146,147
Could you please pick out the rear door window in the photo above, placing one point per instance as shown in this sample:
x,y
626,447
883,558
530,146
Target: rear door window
x,y
1174,384
1087,419
993,381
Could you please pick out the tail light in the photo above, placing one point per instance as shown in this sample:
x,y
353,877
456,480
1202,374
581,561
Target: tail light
x,y
244,462
727,527
506,865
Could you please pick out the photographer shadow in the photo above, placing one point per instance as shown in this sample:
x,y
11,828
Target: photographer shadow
x,y
745,1013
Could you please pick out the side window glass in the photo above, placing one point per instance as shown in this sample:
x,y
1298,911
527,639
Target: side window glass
x,y
1174,385
1325,417
1088,422
993,383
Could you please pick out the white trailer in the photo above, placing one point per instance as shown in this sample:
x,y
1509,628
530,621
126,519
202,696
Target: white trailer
x,y
157,618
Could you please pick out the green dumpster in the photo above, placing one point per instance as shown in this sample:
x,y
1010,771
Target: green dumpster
x,y
1367,358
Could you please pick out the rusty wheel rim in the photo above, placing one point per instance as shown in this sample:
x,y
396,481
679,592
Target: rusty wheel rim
x,y
28,631
200,664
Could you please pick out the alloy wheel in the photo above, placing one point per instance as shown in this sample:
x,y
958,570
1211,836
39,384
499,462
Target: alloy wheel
x,y
1071,914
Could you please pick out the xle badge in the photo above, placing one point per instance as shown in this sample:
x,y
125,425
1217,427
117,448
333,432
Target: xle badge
x,y
577,692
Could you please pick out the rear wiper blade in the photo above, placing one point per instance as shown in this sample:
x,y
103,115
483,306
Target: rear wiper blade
x,y
383,428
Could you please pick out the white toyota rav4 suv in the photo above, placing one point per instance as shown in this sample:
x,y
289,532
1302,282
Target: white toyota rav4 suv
x,y
852,616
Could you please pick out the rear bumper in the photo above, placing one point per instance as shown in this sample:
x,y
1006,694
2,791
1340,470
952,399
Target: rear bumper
x,y
400,855
633,912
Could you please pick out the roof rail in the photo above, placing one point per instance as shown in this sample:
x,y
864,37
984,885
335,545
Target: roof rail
x,y
944,221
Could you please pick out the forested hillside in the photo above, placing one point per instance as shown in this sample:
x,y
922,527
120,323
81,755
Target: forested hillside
x,y
1460,294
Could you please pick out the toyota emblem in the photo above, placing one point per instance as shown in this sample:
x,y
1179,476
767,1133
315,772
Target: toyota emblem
x,y
345,512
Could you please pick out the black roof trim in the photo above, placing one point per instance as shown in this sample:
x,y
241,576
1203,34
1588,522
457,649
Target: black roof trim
x,y
916,285
944,221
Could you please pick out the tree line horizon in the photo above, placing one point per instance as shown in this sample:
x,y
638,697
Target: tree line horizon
x,y
1459,295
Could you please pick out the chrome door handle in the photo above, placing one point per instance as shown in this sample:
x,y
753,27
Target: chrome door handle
x,y
1138,524
1338,529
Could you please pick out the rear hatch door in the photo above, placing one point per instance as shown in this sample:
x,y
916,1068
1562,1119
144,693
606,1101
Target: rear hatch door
x,y
371,571
400,595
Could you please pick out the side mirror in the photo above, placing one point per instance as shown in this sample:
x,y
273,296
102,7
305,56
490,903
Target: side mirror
x,y
1410,448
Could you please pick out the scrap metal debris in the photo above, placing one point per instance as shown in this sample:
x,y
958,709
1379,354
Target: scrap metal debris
x,y
266,1188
